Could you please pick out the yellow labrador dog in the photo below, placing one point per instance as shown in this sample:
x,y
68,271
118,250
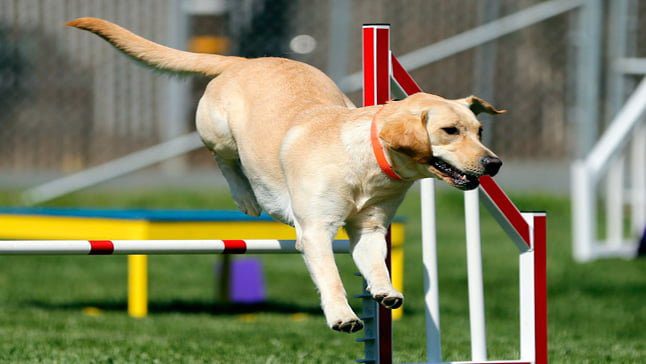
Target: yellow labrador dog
x,y
289,142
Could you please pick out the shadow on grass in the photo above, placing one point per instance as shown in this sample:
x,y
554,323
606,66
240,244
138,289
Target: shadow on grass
x,y
183,306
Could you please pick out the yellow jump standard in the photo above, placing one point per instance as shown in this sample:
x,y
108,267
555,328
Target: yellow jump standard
x,y
94,224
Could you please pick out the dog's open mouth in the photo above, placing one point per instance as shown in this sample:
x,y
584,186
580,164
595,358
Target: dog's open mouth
x,y
454,176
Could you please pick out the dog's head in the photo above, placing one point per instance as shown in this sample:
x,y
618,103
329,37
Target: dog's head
x,y
441,138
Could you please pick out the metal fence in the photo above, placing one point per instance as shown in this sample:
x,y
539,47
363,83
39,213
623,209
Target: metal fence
x,y
69,101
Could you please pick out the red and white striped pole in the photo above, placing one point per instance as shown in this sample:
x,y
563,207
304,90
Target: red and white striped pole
x,y
527,230
376,91
127,247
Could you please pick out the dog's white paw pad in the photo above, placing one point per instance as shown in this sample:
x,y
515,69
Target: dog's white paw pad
x,y
350,326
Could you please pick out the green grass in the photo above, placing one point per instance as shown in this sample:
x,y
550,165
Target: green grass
x,y
597,311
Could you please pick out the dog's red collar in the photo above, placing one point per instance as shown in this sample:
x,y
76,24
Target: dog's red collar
x,y
378,150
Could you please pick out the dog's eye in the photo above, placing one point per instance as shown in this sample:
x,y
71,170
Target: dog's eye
x,y
451,130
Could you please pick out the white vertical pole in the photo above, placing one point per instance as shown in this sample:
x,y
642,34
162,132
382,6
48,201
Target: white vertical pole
x,y
527,301
617,45
474,270
429,258
583,212
638,181
615,203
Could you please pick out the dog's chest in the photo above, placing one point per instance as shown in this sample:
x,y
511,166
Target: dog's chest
x,y
375,191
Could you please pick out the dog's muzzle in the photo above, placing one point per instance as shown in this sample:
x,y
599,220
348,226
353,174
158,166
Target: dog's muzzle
x,y
454,176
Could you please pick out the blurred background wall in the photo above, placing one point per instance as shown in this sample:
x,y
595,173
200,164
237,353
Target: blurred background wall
x,y
68,101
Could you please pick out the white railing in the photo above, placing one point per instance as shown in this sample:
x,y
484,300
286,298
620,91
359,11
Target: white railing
x,y
608,157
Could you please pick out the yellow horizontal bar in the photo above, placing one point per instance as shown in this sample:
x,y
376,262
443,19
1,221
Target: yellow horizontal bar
x,y
58,227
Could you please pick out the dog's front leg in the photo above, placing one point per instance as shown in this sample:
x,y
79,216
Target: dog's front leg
x,y
316,243
369,249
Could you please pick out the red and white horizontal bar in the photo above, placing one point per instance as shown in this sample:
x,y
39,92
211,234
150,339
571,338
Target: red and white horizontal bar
x,y
124,247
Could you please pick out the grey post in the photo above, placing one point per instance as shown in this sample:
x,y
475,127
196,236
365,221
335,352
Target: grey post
x,y
616,49
340,17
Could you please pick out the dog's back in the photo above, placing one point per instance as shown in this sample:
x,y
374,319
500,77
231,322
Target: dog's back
x,y
245,112
257,102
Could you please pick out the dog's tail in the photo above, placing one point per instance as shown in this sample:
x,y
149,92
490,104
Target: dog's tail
x,y
153,54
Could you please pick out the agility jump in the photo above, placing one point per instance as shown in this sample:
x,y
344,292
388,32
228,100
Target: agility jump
x,y
527,230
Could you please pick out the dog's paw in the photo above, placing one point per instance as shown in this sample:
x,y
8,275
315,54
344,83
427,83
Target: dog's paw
x,y
349,326
340,317
389,299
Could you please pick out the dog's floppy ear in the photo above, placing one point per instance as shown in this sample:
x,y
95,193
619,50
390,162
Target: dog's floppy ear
x,y
478,105
407,135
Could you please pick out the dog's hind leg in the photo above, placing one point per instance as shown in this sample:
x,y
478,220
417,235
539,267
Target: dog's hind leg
x,y
213,127
239,186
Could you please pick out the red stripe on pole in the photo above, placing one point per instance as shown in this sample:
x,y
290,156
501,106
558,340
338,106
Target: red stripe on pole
x,y
234,247
504,204
368,67
382,62
540,288
403,78
101,247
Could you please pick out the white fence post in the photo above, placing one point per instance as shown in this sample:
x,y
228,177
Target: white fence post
x,y
431,281
583,213
475,278
615,203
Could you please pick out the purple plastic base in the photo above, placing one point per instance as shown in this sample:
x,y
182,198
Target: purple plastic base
x,y
246,282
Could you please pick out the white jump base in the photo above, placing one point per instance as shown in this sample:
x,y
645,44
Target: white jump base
x,y
154,247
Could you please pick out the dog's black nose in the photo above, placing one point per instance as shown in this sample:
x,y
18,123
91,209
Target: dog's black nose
x,y
491,165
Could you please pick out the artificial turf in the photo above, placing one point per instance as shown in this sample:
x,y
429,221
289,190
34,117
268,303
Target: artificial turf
x,y
72,309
